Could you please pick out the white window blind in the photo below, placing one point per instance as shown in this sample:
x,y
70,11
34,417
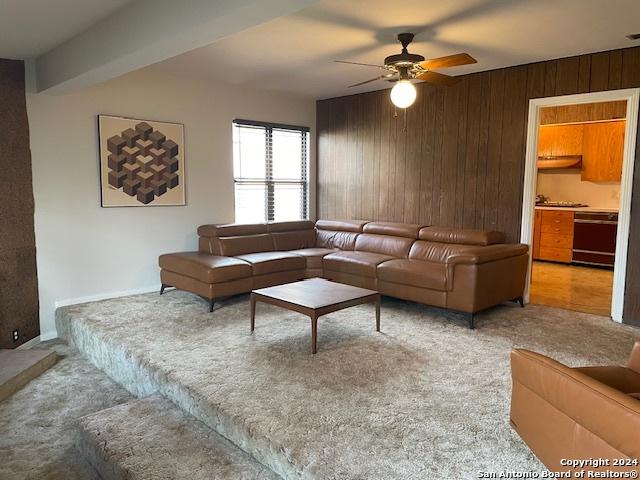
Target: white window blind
x,y
270,169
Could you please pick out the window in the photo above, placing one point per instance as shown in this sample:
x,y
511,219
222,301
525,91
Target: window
x,y
270,169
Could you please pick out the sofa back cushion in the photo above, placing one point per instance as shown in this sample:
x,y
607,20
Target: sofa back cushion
x,y
385,244
239,245
294,240
409,230
460,236
436,251
341,234
232,229
341,225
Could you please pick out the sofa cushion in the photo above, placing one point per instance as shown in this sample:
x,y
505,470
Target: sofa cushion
x,y
461,236
232,229
234,246
204,267
397,247
336,239
355,263
620,378
291,226
313,256
341,225
409,230
415,273
271,262
436,251
294,240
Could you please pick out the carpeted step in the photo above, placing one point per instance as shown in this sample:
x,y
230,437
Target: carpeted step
x,y
19,367
151,438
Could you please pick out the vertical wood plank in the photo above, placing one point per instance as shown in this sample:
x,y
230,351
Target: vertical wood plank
x,y
483,149
584,73
473,140
567,73
460,161
599,72
495,143
550,78
428,106
615,70
630,77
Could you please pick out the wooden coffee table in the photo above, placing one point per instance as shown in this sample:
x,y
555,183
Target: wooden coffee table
x,y
314,297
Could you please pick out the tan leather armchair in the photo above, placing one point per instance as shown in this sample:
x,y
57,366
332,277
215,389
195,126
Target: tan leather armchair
x,y
566,414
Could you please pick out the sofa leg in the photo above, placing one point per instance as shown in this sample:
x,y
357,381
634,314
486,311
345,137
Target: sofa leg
x,y
470,318
211,305
162,287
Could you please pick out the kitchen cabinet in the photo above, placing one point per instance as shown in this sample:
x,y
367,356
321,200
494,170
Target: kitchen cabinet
x,y
553,230
560,140
602,151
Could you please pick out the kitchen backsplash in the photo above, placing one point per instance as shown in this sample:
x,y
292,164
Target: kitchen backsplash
x,y
567,186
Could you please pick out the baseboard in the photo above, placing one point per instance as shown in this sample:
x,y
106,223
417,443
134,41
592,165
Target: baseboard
x,y
105,296
30,344
48,336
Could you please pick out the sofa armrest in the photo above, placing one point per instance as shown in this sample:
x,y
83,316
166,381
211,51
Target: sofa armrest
x,y
634,358
599,408
490,253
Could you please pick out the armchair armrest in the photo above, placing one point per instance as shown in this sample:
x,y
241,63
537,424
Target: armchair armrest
x,y
634,358
602,410
486,254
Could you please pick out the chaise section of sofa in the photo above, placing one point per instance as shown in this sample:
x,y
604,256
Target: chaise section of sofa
x,y
464,270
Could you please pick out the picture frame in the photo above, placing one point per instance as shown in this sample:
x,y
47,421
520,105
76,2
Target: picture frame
x,y
142,162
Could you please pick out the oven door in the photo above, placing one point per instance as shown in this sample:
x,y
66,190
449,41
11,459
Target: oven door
x,y
594,238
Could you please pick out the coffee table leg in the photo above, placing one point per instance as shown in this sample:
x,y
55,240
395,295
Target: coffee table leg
x,y
314,333
378,313
253,311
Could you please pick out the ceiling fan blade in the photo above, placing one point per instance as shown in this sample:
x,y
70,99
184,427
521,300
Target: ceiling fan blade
x,y
437,78
369,81
361,64
448,61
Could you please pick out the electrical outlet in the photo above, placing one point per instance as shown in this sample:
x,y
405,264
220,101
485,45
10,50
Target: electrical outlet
x,y
16,336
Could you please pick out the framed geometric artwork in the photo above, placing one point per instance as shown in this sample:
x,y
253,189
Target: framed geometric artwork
x,y
141,162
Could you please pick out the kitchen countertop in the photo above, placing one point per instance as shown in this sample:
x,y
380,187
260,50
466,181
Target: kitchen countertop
x,y
579,209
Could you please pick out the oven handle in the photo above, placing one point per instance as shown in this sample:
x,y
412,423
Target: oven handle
x,y
602,222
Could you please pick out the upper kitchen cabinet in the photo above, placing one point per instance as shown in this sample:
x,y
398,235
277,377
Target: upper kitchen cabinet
x,y
602,151
560,140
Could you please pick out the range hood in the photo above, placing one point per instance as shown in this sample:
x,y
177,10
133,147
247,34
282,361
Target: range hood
x,y
556,162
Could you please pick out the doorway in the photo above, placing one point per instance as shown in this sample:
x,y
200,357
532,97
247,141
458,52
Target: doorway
x,y
577,198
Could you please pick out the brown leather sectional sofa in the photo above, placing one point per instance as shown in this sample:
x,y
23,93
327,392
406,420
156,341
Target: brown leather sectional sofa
x,y
463,270
577,413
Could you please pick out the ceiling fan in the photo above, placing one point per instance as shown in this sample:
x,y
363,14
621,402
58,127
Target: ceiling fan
x,y
405,66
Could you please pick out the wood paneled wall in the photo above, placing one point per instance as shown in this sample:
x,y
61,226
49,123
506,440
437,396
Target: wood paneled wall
x,y
460,160
18,279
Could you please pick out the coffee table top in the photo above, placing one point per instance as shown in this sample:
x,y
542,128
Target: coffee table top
x,y
315,293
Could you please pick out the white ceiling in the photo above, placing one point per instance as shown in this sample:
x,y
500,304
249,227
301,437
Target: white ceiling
x,y
29,28
296,52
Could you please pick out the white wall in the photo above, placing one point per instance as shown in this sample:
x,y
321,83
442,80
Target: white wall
x,y
567,186
85,251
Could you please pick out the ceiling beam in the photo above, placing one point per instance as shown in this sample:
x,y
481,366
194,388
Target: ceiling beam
x,y
144,32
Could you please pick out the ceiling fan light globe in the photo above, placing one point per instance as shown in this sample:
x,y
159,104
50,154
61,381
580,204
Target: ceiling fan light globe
x,y
403,94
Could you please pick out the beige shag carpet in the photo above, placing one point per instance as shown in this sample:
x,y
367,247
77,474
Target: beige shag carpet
x,y
38,424
426,398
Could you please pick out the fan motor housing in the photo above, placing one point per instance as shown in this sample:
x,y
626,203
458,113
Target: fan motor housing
x,y
404,59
